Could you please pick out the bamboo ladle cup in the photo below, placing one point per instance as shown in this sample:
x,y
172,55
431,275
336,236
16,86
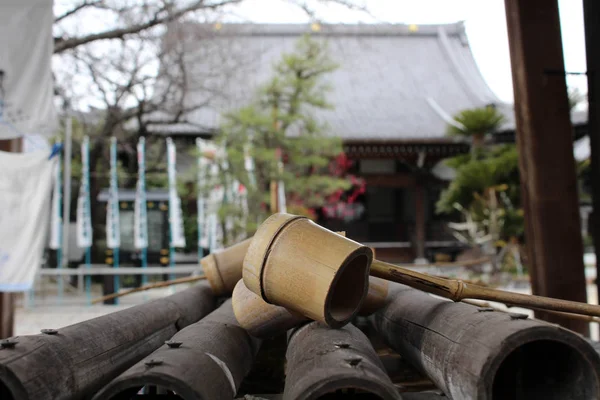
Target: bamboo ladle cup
x,y
294,263
261,319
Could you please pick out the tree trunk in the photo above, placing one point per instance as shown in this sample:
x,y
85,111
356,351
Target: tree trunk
x,y
478,140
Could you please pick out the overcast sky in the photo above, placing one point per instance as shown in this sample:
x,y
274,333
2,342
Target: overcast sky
x,y
485,22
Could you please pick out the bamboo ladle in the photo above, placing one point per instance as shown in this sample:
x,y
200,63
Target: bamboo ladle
x,y
295,263
457,290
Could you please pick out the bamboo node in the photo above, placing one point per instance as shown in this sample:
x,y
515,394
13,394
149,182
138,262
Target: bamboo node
x,y
460,287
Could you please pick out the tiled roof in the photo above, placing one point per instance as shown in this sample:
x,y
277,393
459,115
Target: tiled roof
x,y
394,82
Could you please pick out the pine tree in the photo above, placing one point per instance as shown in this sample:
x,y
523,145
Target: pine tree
x,y
281,123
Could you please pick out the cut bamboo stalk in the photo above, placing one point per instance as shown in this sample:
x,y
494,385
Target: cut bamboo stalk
x,y
330,363
473,353
223,269
263,320
294,263
458,290
206,360
76,361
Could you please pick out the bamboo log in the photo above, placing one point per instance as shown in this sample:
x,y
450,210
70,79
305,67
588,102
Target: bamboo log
x,y
206,360
178,281
223,268
294,263
323,361
76,361
263,320
472,353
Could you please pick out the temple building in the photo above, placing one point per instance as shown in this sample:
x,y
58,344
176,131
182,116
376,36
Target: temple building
x,y
394,93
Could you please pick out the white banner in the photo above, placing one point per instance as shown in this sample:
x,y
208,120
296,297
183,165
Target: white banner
x,y
200,202
140,214
113,233
56,227
84,217
25,187
26,85
175,215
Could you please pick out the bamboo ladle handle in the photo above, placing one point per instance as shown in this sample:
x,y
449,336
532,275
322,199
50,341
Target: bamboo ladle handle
x,y
458,290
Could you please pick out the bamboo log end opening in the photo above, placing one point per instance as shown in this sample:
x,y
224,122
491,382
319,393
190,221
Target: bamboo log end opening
x,y
547,362
348,289
11,387
127,389
487,354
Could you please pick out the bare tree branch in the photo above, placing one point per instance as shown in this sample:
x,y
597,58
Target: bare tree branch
x,y
162,16
77,8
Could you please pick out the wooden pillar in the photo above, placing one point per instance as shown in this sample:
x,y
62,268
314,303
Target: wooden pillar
x,y
591,16
7,300
546,162
419,191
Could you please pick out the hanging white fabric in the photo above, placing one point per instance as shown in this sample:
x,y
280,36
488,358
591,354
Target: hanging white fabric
x,y
56,225
25,188
26,86
84,218
140,212
203,241
113,230
175,215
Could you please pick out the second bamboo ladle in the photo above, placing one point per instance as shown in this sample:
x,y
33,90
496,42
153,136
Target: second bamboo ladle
x,y
295,263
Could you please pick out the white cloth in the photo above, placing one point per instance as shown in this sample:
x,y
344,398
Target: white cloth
x,y
25,189
26,46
